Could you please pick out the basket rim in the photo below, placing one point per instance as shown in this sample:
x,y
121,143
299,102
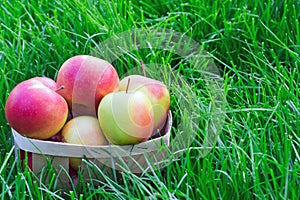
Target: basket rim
x,y
73,150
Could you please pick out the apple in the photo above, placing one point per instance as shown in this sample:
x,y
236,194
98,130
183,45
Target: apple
x,y
48,82
85,81
156,91
82,130
126,117
35,109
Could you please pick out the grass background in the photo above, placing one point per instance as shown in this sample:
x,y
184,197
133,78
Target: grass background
x,y
255,44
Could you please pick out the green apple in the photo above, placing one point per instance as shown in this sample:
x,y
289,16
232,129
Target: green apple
x,y
126,117
83,130
156,91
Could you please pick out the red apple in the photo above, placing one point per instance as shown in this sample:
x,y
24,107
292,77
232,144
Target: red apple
x,y
83,130
86,80
126,117
35,110
156,91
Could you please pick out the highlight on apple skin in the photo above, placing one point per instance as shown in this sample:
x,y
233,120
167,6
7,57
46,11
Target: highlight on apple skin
x,y
48,82
35,109
86,80
126,117
157,93
82,130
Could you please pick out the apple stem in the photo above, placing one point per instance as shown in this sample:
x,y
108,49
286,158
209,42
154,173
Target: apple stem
x,y
143,68
127,86
60,88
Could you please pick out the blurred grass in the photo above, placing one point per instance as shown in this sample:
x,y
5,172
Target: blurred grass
x,y
255,45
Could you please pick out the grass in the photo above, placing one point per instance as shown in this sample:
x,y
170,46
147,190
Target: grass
x,y
255,45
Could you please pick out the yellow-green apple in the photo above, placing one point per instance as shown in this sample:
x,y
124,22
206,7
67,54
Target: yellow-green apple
x,y
82,130
86,80
35,109
126,117
156,91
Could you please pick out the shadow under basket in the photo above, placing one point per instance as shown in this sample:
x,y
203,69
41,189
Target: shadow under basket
x,y
97,161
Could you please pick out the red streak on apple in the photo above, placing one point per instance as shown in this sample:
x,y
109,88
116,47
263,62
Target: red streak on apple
x,y
140,116
156,91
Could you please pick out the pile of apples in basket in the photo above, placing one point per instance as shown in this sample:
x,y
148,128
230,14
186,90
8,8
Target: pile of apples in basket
x,y
88,105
